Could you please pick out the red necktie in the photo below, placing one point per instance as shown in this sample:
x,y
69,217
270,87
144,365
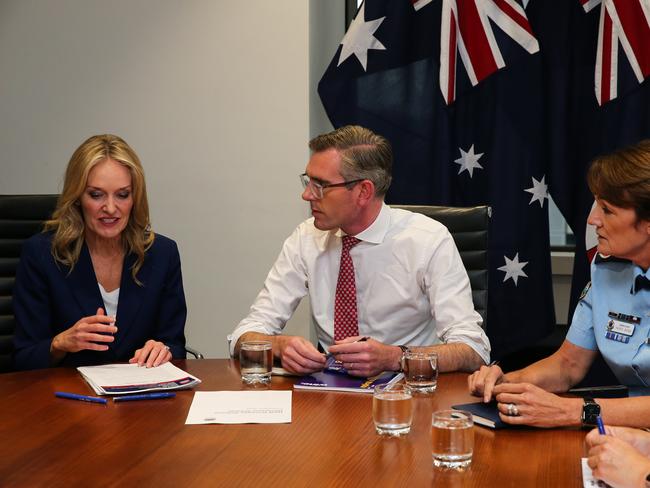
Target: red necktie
x,y
345,301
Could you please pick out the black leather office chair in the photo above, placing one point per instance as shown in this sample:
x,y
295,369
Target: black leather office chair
x,y
21,216
469,228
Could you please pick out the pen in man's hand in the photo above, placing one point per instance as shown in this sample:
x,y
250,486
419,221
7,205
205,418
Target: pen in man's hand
x,y
83,398
362,339
601,426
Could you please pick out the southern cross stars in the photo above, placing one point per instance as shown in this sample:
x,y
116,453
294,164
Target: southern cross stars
x,y
539,191
513,268
359,38
468,161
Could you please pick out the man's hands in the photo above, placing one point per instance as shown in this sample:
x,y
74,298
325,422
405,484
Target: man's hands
x,y
366,358
298,355
360,358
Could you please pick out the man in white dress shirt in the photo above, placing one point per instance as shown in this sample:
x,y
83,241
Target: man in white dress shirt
x,y
410,284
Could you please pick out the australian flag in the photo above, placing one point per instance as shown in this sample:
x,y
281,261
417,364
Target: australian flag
x,y
499,102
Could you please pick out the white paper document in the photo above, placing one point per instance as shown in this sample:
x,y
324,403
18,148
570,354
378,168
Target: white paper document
x,y
119,379
240,407
588,479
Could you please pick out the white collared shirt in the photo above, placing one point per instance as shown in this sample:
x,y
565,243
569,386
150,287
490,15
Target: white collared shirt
x,y
412,288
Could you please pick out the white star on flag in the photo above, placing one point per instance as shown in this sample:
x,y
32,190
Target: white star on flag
x,y
359,38
468,161
513,268
539,191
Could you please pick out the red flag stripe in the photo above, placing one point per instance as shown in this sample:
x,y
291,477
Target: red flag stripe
x,y
476,41
522,21
606,70
453,53
637,31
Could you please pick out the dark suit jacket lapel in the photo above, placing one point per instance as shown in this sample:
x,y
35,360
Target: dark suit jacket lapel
x,y
83,284
131,296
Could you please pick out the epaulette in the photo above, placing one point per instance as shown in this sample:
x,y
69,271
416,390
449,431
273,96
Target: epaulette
x,y
585,291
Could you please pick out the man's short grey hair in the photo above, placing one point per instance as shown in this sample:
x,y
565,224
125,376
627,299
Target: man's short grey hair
x,y
364,155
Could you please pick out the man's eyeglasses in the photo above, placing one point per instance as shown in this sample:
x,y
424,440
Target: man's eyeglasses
x,y
316,188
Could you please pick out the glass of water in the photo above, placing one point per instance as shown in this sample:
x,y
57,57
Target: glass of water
x,y
256,362
392,409
421,370
452,437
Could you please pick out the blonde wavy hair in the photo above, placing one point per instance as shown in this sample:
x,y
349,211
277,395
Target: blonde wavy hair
x,y
67,221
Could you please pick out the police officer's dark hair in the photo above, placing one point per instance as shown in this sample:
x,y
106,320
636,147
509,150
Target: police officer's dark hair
x,y
623,178
364,154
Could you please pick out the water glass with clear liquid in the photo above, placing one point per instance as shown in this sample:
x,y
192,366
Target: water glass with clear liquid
x,y
421,371
392,409
452,438
256,362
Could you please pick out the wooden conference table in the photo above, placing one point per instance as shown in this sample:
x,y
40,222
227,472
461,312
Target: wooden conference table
x,y
47,441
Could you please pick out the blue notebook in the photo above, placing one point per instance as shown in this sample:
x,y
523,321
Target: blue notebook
x,y
336,381
485,414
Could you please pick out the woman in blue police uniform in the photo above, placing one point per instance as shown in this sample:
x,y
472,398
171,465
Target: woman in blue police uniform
x,y
613,315
98,286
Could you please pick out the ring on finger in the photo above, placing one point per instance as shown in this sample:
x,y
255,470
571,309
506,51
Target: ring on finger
x,y
512,411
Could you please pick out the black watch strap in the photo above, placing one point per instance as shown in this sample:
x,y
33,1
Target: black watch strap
x,y
590,412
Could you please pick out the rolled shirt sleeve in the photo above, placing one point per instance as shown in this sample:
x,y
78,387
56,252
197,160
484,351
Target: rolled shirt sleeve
x,y
450,296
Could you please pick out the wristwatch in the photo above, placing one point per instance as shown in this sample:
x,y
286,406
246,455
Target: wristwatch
x,y
590,412
401,360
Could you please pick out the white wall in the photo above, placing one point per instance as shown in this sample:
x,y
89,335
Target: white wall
x,y
216,96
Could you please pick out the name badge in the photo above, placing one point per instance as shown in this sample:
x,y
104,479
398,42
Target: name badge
x,y
620,327
621,323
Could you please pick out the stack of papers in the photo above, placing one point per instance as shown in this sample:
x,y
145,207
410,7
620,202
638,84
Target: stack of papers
x,y
120,379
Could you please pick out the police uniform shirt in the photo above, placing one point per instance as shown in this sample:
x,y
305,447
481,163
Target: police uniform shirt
x,y
613,316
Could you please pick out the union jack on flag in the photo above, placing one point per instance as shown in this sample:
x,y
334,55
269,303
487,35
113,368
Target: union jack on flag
x,y
466,31
625,23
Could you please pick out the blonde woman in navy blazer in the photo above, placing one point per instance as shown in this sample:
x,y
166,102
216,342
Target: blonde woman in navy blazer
x,y
98,286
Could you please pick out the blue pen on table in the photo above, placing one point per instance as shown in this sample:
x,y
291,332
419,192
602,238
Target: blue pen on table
x,y
144,396
83,398
601,426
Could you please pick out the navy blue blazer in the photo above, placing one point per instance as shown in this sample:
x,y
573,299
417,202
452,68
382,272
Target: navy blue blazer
x,y
49,299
